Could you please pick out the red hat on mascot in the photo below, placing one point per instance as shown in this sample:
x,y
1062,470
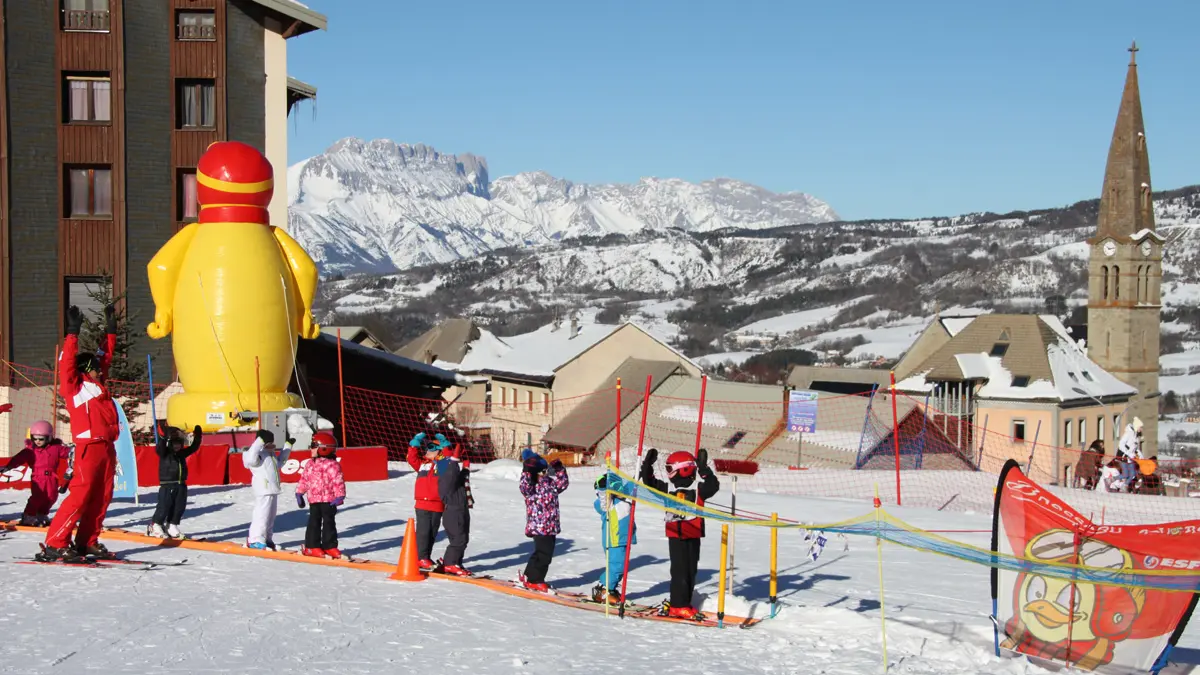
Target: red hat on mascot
x,y
234,184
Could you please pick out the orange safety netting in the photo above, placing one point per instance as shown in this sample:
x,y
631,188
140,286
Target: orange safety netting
x,y
902,446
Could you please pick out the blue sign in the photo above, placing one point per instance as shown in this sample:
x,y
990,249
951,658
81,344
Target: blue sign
x,y
125,482
802,411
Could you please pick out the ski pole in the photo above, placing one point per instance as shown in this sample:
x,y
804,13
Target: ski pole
x,y
633,503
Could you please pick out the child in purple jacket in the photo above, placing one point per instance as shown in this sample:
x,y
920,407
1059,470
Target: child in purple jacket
x,y
541,484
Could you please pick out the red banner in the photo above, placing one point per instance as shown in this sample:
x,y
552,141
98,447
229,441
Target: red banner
x,y
1088,625
19,478
358,464
205,467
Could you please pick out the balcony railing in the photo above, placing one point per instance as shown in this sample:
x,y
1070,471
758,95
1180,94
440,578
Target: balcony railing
x,y
195,32
90,20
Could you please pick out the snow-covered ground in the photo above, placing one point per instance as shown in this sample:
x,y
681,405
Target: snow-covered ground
x,y
1180,372
224,613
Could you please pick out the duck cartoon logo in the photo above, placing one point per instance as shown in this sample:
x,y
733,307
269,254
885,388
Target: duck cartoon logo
x,y
1082,595
1074,622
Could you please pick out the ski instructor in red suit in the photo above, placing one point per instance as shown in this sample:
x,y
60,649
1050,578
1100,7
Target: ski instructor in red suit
x,y
94,429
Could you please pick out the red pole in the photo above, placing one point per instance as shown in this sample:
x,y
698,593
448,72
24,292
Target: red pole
x,y
258,388
341,387
896,435
700,417
633,506
618,422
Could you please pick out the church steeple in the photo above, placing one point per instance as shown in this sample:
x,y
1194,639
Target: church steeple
x,y
1125,204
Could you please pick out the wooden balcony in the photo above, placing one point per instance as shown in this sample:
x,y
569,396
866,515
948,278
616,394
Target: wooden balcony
x,y
86,20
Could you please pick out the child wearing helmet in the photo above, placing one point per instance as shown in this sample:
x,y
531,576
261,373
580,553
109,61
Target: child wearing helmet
x,y
617,532
540,484
263,460
424,455
322,481
43,454
172,480
683,531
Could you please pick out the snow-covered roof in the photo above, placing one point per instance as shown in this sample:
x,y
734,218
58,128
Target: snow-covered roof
x,y
539,353
1054,366
1146,232
955,324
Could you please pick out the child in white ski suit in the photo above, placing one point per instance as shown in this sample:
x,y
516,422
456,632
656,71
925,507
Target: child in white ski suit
x,y
263,462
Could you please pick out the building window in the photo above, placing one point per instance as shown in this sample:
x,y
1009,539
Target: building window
x,y
1100,428
1082,431
87,99
1139,284
503,397
1116,427
197,106
529,399
89,192
188,199
86,293
528,439
545,403
1067,428
1107,343
193,25
1104,281
85,15
1020,381
487,398
999,349
1116,279
1018,431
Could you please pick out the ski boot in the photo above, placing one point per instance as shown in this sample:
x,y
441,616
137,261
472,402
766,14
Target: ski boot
x,y
28,521
258,546
456,570
532,586
174,532
98,551
271,545
333,553
598,593
425,565
66,554
155,530
312,552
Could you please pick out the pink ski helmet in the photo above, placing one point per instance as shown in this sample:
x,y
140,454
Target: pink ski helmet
x,y
41,428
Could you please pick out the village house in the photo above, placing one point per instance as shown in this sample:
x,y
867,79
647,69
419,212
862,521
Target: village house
x,y
520,387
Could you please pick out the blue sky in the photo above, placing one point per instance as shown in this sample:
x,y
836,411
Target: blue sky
x,y
884,109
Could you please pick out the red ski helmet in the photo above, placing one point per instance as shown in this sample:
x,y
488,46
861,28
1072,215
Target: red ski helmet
x,y
681,462
41,428
324,443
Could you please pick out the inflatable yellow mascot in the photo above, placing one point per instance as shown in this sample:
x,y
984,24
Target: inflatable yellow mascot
x,y
232,288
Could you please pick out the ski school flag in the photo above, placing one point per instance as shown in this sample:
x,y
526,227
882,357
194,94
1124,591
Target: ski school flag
x,y
125,482
1057,608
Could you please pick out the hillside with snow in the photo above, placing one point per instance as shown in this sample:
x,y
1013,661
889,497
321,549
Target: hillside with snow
x,y
378,206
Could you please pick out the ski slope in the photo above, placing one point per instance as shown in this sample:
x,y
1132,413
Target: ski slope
x,y
226,613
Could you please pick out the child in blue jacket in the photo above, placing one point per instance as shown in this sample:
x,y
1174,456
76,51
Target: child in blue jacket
x,y
616,533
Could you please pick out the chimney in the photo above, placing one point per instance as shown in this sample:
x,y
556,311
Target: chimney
x,y
574,324
557,321
428,356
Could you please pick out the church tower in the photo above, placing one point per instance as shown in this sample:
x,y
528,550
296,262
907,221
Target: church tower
x,y
1125,270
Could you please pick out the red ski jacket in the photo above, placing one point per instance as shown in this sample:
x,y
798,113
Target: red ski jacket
x,y
425,489
90,405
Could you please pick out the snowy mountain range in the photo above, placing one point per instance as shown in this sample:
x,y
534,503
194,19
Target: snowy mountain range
x,y
378,207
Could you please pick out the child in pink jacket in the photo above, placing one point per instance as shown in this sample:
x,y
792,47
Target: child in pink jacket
x,y
322,480
43,453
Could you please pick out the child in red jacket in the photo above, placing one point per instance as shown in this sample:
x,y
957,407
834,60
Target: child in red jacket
x,y
325,486
423,455
683,532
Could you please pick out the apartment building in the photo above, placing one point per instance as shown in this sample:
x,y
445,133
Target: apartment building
x,y
107,106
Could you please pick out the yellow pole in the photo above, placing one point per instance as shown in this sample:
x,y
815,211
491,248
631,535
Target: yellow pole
x,y
721,583
774,565
879,551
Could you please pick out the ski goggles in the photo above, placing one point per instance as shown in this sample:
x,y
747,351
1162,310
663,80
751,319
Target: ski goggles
x,y
40,438
682,467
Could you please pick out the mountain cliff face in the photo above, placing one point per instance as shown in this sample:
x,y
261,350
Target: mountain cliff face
x,y
378,207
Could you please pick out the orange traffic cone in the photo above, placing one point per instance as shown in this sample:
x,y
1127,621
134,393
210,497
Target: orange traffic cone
x,y
408,568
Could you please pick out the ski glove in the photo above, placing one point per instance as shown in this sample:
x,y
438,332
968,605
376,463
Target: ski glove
x,y
417,440
5,407
338,502
299,500
110,319
265,435
74,320
556,466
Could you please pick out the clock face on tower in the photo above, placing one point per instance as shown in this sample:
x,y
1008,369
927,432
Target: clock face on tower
x,y
1110,248
1146,248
